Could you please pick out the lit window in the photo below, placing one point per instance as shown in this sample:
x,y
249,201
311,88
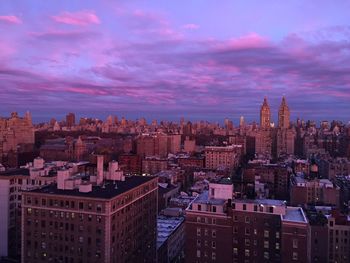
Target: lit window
x,y
213,233
246,252
277,234
266,255
266,244
198,253
198,219
213,244
213,256
266,233
235,251
295,256
198,231
277,245
295,243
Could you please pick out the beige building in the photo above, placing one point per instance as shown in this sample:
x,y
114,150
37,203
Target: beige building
x,y
225,157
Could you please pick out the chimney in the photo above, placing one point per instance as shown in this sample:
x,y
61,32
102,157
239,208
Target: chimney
x,y
99,169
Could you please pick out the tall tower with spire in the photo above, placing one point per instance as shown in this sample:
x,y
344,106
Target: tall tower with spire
x,y
283,115
265,115
285,133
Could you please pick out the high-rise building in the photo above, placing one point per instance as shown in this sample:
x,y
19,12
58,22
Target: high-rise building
x,y
70,119
285,134
98,218
283,115
265,115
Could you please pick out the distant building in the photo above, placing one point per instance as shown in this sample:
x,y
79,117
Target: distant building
x,y
14,132
314,192
223,157
70,119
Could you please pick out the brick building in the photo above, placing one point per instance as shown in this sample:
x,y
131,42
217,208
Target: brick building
x,y
100,218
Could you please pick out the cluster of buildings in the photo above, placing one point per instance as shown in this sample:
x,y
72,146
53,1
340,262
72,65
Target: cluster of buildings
x,y
129,191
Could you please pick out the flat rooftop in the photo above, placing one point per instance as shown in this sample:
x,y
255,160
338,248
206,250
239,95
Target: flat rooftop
x,y
260,201
19,171
203,198
107,191
166,225
294,214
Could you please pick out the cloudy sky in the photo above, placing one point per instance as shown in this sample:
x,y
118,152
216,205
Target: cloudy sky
x,y
166,59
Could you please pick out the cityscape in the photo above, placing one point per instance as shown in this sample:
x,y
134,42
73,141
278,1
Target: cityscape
x,y
163,132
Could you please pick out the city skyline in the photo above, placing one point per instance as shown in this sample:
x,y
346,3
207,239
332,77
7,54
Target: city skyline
x,y
164,61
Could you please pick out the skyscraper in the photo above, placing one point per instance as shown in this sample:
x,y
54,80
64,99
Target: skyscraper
x,y
283,115
265,115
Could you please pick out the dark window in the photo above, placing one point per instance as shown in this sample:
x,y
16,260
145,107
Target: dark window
x,y
255,208
244,207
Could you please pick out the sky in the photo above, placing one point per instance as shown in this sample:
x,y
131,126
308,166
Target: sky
x,y
201,60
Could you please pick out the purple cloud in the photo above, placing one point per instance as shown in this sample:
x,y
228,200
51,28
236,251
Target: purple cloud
x,y
80,18
10,19
191,26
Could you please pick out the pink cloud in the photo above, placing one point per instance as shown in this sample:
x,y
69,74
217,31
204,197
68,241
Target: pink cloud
x,y
191,26
251,40
10,19
80,18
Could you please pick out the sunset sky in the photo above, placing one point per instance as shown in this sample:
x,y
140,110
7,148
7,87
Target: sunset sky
x,y
166,59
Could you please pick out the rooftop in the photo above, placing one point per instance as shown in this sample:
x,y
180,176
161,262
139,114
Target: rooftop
x,y
166,225
106,191
294,214
19,171
260,201
204,199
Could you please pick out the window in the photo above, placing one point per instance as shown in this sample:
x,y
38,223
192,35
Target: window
x,y
198,242
199,207
255,208
247,231
247,219
213,221
198,253
255,231
198,231
271,209
266,244
235,218
213,244
277,245
213,256
247,242
246,252
266,233
81,205
295,243
206,231
244,207
277,234
233,205
235,230
198,219
213,233
266,255
235,251
214,209
295,256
